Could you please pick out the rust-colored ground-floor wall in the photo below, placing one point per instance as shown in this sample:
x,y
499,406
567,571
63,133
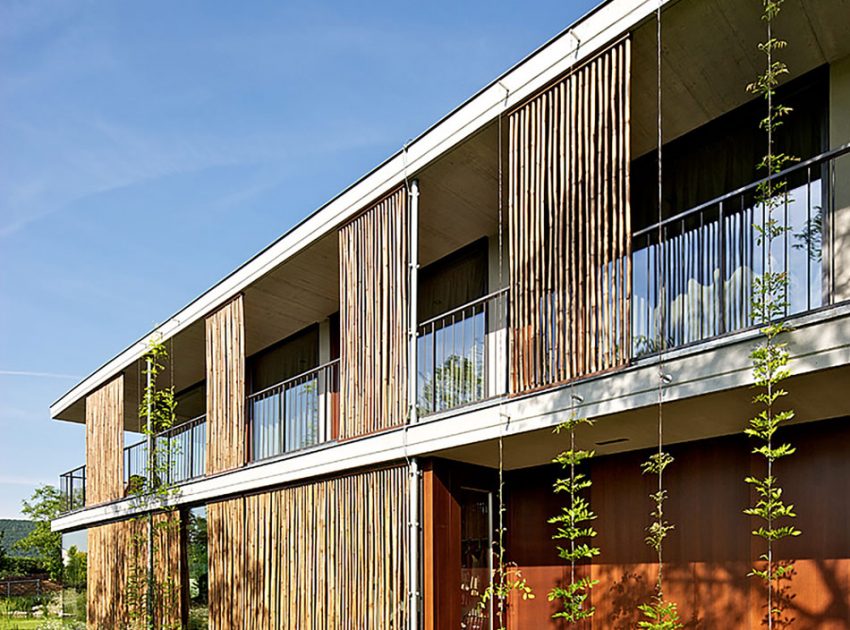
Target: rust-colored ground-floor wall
x,y
711,549
117,566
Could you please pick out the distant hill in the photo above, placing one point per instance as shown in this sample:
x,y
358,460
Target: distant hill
x,y
13,530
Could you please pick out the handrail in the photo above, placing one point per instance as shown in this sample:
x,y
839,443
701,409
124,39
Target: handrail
x,y
458,309
292,379
183,426
823,157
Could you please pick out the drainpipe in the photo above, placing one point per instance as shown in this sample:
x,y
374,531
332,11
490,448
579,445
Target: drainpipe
x,y
412,371
413,621
413,280
151,469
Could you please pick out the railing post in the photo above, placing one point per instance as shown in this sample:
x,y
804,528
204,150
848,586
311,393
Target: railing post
x,y
721,235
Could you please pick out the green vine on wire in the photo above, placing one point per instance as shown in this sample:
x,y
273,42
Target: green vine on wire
x,y
770,358
573,525
506,576
659,614
149,600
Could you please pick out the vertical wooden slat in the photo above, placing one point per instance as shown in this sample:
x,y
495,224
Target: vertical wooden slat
x,y
225,358
105,443
374,258
326,554
569,225
115,550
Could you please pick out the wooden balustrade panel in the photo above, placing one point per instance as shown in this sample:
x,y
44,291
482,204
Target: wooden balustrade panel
x,y
569,225
225,352
117,573
105,443
323,555
374,258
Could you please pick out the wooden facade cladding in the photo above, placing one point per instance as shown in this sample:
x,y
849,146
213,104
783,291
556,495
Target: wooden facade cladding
x,y
324,555
117,573
569,225
225,353
374,258
105,443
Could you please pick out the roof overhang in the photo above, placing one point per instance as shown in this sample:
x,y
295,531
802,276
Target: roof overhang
x,y
601,26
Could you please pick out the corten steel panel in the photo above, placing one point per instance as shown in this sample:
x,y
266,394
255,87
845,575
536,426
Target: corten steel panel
x,y
225,354
569,226
374,257
711,550
105,443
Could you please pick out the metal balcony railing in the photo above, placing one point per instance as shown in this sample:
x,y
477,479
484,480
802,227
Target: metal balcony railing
x,y
693,273
72,487
295,414
180,452
462,355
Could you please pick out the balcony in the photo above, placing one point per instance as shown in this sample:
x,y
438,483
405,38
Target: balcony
x,y
295,414
72,487
462,355
692,280
693,273
180,453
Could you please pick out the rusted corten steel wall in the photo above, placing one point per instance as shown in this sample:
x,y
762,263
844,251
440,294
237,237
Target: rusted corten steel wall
x,y
570,231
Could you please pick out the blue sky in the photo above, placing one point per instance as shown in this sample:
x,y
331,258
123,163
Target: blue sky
x,y
148,148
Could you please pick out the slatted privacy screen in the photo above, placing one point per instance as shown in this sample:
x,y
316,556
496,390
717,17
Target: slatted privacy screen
x,y
225,349
117,573
105,443
324,555
570,228
374,258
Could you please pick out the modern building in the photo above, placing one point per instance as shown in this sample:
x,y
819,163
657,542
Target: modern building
x,y
348,397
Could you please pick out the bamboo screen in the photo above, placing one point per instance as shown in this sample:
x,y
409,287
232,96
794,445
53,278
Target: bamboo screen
x,y
329,554
374,258
225,348
105,443
117,573
570,231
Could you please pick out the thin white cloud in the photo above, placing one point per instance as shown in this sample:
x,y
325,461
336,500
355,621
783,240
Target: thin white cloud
x,y
37,374
12,480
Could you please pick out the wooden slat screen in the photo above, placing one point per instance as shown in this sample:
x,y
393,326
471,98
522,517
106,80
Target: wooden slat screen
x,y
324,555
374,258
105,443
117,558
570,230
225,351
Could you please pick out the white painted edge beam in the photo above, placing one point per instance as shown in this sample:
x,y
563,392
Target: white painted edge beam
x,y
591,33
819,341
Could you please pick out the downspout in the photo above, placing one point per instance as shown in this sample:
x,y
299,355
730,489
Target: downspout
x,y
151,470
413,281
412,371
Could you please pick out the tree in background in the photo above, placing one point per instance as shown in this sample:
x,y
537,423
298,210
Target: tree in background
x,y
75,568
44,506
4,556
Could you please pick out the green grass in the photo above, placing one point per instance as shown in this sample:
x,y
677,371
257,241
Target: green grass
x,y
19,624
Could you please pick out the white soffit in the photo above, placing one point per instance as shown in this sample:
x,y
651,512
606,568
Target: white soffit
x,y
603,25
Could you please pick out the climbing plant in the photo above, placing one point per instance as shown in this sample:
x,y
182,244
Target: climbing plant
x,y
770,357
573,525
659,613
152,595
506,576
